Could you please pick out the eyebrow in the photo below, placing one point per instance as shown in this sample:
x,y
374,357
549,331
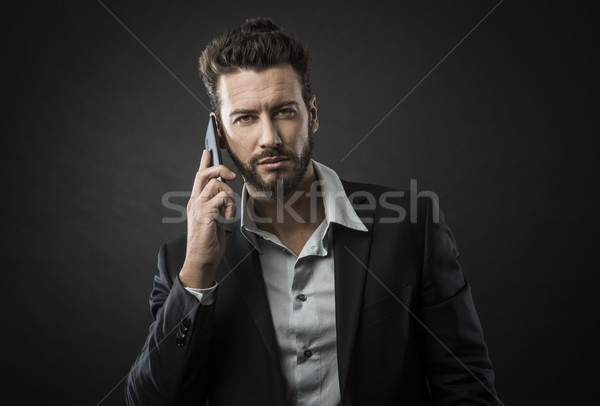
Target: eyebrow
x,y
275,107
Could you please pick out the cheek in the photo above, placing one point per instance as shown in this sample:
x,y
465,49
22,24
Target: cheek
x,y
240,137
240,150
241,146
296,133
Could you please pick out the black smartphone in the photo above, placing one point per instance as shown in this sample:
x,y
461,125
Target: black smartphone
x,y
211,143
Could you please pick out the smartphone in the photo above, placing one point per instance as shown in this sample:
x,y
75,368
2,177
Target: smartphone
x,y
211,143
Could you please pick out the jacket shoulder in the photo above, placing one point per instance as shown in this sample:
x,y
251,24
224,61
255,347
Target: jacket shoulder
x,y
354,187
419,207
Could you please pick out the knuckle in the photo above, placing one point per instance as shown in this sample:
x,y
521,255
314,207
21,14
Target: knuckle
x,y
212,182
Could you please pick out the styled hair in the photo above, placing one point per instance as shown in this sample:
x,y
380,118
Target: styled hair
x,y
256,45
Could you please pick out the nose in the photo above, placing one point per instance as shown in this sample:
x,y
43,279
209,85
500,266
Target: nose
x,y
270,135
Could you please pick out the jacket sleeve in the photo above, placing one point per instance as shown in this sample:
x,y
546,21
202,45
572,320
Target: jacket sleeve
x,y
458,368
172,365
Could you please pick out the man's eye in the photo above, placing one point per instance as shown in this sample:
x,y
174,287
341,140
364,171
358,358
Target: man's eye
x,y
244,119
286,112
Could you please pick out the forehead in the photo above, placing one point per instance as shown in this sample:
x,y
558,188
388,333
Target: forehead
x,y
249,88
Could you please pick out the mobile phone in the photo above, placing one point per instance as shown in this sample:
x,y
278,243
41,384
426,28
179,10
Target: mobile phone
x,y
211,143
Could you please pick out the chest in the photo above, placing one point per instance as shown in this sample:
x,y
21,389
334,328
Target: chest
x,y
301,297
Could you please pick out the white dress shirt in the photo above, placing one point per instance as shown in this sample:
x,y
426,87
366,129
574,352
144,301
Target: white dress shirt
x,y
301,295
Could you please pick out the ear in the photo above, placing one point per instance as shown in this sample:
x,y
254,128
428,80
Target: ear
x,y
312,113
220,137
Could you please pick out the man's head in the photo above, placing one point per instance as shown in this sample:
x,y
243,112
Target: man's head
x,y
257,79
256,45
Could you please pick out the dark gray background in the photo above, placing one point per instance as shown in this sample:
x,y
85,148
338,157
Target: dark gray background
x,y
96,131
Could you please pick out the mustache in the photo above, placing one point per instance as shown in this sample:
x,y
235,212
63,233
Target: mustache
x,y
271,152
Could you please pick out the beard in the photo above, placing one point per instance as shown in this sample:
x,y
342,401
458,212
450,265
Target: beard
x,y
289,183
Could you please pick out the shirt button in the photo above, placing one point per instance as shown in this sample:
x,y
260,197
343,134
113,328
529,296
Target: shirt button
x,y
307,353
302,297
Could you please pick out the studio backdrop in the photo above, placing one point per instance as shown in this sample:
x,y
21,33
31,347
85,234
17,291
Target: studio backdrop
x,y
490,105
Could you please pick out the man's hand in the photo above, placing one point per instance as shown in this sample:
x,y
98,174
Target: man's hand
x,y
210,201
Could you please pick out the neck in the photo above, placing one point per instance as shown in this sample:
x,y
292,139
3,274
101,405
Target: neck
x,y
301,209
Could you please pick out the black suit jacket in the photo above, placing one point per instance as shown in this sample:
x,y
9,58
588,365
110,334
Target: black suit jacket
x,y
407,330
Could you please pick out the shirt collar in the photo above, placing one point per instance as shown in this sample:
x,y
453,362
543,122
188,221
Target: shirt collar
x,y
338,208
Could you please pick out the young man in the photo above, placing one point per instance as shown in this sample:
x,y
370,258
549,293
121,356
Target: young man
x,y
310,298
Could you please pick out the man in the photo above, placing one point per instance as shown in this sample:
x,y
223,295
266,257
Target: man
x,y
310,298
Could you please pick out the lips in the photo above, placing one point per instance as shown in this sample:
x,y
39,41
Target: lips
x,y
274,162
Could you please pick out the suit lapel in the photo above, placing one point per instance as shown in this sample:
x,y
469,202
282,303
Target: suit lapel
x,y
243,266
351,250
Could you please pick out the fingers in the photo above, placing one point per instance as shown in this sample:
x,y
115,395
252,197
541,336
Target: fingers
x,y
229,209
215,199
219,207
212,189
206,159
206,173
225,204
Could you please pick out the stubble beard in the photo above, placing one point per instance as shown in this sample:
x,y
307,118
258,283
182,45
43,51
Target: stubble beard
x,y
289,183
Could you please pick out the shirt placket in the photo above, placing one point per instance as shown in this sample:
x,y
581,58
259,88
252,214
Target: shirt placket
x,y
306,328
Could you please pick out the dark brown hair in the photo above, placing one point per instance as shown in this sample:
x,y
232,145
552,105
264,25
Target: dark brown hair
x,y
257,45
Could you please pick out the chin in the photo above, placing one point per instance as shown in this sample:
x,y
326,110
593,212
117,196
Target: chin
x,y
271,176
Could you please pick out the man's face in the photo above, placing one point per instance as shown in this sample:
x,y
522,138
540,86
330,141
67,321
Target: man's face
x,y
268,127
